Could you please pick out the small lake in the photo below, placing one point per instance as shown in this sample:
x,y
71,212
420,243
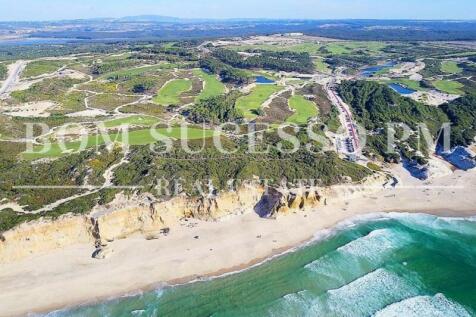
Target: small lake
x,y
264,80
401,89
370,71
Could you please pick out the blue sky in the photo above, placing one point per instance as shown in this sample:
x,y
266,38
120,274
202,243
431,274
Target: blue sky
x,y
315,9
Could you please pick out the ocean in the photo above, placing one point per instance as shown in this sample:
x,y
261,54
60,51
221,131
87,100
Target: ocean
x,y
400,265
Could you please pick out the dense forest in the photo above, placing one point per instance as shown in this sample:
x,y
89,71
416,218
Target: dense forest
x,y
227,73
216,110
148,168
462,113
375,105
278,61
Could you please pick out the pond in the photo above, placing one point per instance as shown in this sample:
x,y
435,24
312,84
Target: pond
x,y
401,89
370,71
264,80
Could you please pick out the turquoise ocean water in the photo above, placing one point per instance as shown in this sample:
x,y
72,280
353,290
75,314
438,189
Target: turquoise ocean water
x,y
400,265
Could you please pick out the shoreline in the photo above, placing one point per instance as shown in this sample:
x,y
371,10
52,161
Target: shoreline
x,y
362,218
69,277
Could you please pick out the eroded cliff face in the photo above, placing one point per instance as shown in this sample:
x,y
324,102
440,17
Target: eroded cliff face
x,y
279,201
154,219
150,220
40,236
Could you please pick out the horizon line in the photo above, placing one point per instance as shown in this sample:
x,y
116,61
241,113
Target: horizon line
x,y
204,19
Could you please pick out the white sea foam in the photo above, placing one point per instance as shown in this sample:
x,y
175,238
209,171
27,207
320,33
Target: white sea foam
x,y
362,297
424,306
376,244
369,294
294,304
357,257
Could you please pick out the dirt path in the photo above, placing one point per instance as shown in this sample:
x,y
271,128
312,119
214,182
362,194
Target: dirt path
x,y
108,182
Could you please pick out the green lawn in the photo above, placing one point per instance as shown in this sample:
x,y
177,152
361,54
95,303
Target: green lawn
x,y
137,137
340,48
170,93
213,87
450,67
250,103
37,68
144,121
448,86
321,66
130,72
304,110
337,49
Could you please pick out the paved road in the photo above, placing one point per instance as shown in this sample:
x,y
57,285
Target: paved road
x,y
13,75
346,120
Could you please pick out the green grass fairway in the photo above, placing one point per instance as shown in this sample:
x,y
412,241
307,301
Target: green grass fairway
x,y
144,121
213,87
337,48
448,86
321,66
37,68
170,93
134,71
304,110
138,137
450,67
252,102
341,48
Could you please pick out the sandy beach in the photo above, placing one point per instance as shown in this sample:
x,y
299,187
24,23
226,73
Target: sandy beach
x,y
69,276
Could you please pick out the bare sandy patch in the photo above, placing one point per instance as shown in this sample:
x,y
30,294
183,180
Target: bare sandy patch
x,y
432,97
31,109
88,113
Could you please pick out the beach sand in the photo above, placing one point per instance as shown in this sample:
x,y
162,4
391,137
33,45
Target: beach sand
x,y
70,276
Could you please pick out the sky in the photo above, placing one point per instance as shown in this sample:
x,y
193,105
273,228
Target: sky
x,y
37,10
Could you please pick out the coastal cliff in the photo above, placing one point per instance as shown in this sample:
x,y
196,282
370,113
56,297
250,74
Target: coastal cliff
x,y
151,220
44,235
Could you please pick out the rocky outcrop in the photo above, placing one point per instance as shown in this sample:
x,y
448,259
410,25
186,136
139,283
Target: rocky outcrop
x,y
279,201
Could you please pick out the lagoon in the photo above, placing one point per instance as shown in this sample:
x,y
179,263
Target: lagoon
x,y
264,80
401,89
371,71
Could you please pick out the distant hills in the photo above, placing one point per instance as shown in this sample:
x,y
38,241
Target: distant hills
x,y
151,18
159,27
